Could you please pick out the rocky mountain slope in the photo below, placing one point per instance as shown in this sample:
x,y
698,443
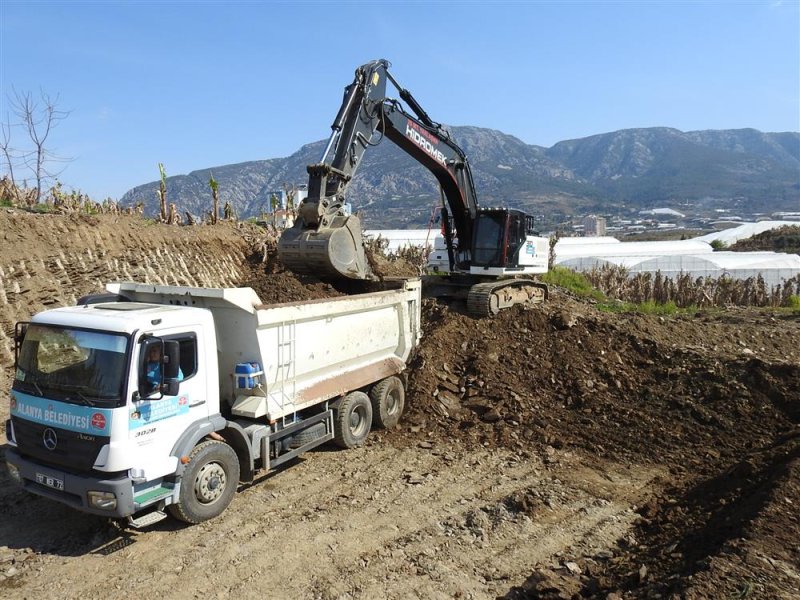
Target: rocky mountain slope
x,y
633,167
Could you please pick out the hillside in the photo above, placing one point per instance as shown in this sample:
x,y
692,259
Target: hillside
x,y
628,169
782,239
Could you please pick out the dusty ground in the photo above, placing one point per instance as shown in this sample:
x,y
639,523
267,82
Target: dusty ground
x,y
549,453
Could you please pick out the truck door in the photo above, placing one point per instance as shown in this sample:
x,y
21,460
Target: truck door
x,y
162,408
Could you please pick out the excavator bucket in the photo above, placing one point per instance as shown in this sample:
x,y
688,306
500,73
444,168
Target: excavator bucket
x,y
334,251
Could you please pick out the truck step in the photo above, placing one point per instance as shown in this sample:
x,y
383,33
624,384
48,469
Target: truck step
x,y
147,519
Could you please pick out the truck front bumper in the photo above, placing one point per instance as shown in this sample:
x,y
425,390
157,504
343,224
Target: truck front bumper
x,y
76,488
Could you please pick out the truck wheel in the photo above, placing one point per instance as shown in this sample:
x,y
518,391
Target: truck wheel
x,y
208,483
388,399
352,420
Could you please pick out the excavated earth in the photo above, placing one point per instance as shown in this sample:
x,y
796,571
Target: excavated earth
x,y
553,452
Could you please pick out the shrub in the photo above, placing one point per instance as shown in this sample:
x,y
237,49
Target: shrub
x,y
718,245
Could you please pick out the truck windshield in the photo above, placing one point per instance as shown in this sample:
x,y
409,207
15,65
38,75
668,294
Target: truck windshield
x,y
72,365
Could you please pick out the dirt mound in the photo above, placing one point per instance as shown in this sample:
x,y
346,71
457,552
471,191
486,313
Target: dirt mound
x,y
782,239
619,387
711,397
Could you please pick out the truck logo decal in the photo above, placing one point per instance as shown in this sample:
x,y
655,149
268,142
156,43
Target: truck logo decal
x,y
50,439
151,411
98,421
81,419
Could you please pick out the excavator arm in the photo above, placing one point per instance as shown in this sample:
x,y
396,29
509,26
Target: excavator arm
x,y
327,242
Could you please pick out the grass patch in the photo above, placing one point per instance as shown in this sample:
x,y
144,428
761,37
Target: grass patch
x,y
794,303
41,208
616,306
647,308
573,282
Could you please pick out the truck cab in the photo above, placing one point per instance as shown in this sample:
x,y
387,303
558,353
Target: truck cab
x,y
90,425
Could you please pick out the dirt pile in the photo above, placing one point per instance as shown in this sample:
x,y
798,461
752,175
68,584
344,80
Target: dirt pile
x,y
782,239
619,387
711,397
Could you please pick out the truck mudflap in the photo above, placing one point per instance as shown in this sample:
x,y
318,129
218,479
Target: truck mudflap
x,y
71,489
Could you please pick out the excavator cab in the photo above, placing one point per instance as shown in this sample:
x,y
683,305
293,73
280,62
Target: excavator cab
x,y
499,235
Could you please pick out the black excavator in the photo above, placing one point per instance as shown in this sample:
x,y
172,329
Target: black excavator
x,y
491,252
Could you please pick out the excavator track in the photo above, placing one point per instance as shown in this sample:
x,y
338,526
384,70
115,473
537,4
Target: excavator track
x,y
489,298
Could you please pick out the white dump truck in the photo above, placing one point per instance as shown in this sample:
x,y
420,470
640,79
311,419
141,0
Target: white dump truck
x,y
158,397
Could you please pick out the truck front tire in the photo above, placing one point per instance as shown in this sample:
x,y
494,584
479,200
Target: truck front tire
x,y
388,399
352,420
208,483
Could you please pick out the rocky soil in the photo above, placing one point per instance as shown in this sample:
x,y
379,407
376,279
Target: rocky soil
x,y
555,452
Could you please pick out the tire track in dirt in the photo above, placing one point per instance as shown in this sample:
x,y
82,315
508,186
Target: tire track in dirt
x,y
374,522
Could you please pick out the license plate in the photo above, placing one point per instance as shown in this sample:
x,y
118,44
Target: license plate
x,y
53,482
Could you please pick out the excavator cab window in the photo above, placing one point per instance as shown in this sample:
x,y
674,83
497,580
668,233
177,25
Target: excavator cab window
x,y
488,249
499,235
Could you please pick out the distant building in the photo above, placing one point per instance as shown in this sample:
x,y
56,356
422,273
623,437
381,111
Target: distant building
x,y
281,199
663,212
594,226
283,218
787,216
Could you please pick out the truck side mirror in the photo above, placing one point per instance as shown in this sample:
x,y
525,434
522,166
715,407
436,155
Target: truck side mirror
x,y
171,387
172,360
20,329
19,332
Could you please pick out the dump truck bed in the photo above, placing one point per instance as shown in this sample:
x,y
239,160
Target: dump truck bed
x,y
309,351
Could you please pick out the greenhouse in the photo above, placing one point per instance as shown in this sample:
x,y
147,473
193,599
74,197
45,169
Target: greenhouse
x,y
745,230
774,267
694,256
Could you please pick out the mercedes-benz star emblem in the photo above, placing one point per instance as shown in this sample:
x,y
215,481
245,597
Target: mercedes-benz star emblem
x,y
50,439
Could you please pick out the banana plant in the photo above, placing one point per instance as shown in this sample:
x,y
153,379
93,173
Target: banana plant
x,y
162,192
215,199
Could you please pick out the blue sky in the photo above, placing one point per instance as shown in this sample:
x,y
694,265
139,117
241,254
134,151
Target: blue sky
x,y
201,84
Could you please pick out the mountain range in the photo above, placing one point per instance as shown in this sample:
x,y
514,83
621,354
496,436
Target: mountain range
x,y
611,173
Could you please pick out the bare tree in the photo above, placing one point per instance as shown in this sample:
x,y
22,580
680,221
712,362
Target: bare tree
x,y
39,116
9,154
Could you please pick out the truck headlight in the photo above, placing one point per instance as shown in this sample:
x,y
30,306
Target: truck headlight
x,y
102,500
13,472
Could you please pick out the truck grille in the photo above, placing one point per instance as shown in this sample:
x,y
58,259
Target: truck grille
x,y
71,453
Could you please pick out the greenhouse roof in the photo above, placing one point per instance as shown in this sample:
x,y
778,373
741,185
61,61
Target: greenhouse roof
x,y
744,231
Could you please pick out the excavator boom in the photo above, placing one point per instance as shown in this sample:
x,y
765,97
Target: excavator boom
x,y
327,242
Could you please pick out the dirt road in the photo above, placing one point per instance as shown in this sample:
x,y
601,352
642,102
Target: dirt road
x,y
377,522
